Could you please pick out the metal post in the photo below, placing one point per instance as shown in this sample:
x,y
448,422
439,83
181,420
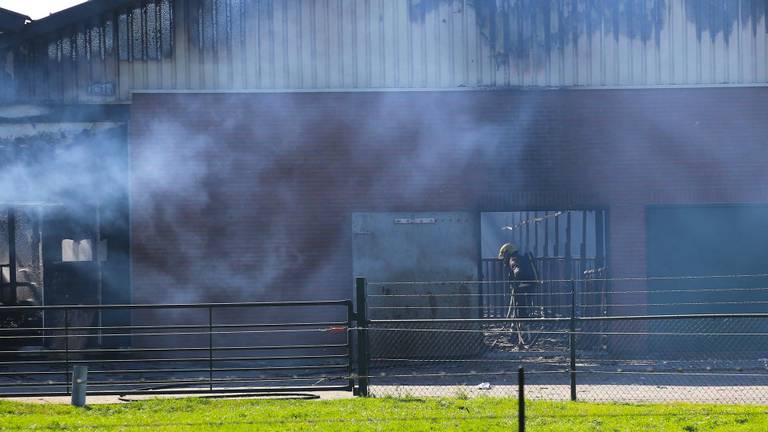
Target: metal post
x,y
557,300
504,293
79,384
572,330
350,345
600,259
482,289
535,233
572,341
601,273
480,292
362,337
66,347
10,295
38,240
521,399
556,244
545,251
96,251
583,259
527,232
210,348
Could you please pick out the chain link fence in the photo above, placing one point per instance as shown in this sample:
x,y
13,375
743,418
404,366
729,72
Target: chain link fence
x,y
437,339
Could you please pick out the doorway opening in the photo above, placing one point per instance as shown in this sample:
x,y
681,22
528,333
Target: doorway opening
x,y
52,254
568,250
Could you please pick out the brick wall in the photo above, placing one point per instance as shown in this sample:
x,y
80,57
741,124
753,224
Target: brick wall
x,y
248,196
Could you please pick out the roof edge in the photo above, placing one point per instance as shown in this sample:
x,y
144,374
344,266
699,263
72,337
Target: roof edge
x,y
12,21
14,13
63,18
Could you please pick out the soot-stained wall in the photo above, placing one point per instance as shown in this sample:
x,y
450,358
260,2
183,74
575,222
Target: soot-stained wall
x,y
354,44
249,196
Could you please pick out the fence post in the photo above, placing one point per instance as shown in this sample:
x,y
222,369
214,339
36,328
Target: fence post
x,y
79,383
66,347
572,341
572,330
362,336
350,345
521,399
210,348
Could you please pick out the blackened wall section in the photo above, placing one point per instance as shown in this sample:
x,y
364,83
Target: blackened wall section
x,y
249,196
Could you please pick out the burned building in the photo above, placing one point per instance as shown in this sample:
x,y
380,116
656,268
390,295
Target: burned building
x,y
162,151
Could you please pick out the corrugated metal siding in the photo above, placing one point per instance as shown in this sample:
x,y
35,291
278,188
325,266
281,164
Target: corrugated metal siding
x,y
351,44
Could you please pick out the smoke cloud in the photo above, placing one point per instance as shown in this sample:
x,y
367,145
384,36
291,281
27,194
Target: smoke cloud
x,y
249,197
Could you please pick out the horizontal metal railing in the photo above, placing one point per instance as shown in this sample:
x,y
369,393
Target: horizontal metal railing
x,y
308,346
180,348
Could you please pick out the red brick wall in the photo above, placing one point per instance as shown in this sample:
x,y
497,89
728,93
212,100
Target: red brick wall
x,y
248,196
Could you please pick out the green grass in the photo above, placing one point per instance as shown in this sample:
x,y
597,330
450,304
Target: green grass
x,y
386,414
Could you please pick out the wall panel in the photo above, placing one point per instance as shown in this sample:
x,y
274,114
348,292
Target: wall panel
x,y
350,44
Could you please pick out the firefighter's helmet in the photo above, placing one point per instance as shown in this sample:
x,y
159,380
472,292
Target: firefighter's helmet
x,y
507,249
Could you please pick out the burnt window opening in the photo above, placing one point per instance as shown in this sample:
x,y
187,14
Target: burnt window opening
x,y
146,32
108,37
122,36
218,27
137,30
152,32
76,250
82,250
81,49
92,42
141,33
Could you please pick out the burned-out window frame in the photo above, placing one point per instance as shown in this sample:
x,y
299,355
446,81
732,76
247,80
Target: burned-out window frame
x,y
142,33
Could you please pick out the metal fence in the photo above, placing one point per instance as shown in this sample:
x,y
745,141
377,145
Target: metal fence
x,y
182,348
693,357
554,294
451,350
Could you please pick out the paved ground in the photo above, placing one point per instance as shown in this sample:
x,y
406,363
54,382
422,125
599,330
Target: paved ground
x,y
600,378
753,395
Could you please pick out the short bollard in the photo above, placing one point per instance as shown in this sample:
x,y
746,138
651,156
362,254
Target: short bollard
x,y
79,383
521,400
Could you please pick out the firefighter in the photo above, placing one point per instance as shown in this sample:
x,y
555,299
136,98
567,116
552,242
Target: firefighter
x,y
520,267
523,281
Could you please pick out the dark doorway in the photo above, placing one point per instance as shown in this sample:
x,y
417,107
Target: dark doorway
x,y
566,245
64,222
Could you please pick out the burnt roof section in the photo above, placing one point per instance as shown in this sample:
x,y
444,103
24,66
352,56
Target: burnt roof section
x,y
11,21
67,17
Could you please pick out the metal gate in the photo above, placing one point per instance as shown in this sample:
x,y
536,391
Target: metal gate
x,y
180,348
569,250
